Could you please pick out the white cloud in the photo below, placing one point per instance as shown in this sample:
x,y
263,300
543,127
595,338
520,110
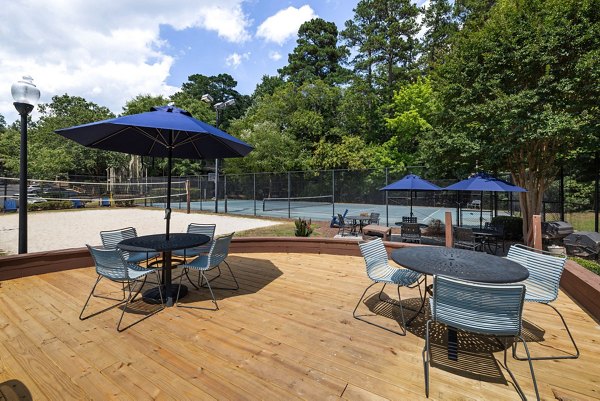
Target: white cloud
x,y
105,51
235,59
284,24
274,55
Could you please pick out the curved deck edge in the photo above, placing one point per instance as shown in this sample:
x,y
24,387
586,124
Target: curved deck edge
x,y
579,283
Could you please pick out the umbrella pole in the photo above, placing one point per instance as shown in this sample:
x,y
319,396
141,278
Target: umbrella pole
x,y
169,166
411,213
481,211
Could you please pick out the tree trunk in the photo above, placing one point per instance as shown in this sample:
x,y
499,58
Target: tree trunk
x,y
530,201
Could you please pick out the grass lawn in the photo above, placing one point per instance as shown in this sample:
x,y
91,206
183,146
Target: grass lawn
x,y
287,228
581,221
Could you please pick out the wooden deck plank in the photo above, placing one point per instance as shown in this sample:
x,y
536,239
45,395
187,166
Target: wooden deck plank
x,y
288,333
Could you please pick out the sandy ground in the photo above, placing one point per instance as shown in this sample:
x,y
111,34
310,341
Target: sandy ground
x,y
73,229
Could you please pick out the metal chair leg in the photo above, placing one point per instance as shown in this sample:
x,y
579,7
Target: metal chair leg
x,y
81,317
426,357
130,300
201,278
529,359
359,317
543,358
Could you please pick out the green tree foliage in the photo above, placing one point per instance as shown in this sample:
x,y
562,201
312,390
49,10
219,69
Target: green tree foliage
x,y
273,150
317,55
350,153
413,108
440,27
519,90
143,103
51,155
267,86
220,88
384,36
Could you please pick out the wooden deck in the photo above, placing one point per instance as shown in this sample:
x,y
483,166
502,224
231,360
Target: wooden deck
x,y
288,333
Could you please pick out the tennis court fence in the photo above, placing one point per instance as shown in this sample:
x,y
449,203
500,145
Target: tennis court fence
x,y
315,194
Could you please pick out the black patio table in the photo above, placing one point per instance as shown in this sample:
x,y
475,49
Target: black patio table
x,y
487,235
159,243
462,264
358,221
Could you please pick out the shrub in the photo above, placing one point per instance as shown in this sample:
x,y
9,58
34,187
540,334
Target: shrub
x,y
303,228
588,264
52,205
513,226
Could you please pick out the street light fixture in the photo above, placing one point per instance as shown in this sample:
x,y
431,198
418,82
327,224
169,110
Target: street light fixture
x,y
218,108
25,95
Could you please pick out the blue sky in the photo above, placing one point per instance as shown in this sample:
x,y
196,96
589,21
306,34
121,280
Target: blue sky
x,y
110,51
200,51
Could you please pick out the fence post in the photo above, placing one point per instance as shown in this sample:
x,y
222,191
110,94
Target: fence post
x,y
188,195
289,194
597,192
332,192
225,190
537,231
448,227
200,189
387,214
254,191
561,193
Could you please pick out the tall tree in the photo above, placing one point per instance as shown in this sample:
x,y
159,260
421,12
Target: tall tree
x,y
384,34
522,92
316,55
220,88
440,27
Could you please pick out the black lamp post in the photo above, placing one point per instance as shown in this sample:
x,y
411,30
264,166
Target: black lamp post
x,y
25,95
218,108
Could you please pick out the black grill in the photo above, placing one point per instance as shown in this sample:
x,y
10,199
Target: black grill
x,y
583,243
556,230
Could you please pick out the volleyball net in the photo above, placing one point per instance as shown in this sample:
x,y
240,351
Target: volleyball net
x,y
100,192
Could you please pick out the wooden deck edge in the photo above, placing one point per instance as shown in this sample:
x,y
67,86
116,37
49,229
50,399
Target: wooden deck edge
x,y
581,284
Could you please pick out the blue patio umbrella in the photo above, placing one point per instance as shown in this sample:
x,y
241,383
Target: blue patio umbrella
x,y
411,182
165,131
484,182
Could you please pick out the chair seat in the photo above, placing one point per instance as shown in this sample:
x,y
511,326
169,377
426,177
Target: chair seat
x,y
392,275
537,293
136,271
200,263
136,257
190,252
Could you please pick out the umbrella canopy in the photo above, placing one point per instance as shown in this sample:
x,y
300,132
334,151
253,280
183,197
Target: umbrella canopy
x,y
165,131
411,182
483,182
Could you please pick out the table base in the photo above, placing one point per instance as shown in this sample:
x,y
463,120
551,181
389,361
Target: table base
x,y
153,295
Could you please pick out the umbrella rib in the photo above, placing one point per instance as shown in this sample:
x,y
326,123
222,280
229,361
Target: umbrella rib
x,y
93,144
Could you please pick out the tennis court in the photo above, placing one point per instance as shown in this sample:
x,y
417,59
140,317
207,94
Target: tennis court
x,y
325,210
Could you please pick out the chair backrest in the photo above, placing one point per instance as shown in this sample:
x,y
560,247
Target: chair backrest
x,y
110,263
10,205
409,219
375,256
219,250
493,309
374,218
463,234
111,238
410,229
341,220
544,269
206,229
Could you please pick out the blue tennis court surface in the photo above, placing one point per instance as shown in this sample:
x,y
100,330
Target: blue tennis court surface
x,y
387,215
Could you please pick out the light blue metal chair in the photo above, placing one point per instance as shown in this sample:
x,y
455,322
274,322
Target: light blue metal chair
x,y
111,264
194,228
379,271
487,309
217,254
111,238
543,283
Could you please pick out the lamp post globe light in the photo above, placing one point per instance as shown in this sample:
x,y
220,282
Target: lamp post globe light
x,y
25,96
219,107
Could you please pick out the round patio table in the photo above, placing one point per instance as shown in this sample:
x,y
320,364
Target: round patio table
x,y
462,264
159,243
